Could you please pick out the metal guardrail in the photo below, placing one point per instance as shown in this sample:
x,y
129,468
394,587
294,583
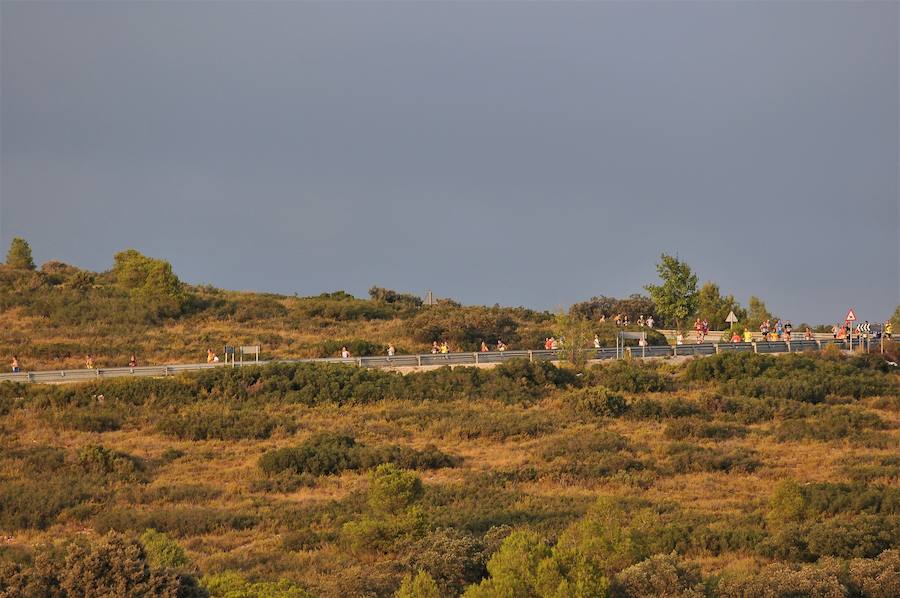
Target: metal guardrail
x,y
395,361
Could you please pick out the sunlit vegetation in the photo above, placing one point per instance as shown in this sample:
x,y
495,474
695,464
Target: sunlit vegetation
x,y
730,475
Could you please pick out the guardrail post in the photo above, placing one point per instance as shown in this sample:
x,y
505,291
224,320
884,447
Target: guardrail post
x,y
476,358
788,343
30,377
754,347
531,356
717,348
819,344
419,359
359,361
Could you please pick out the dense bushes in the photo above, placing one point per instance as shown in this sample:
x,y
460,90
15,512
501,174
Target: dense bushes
x,y
207,421
327,453
796,377
113,567
629,376
463,327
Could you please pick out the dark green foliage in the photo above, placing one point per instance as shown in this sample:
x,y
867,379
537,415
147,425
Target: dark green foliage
x,y
464,328
660,575
634,306
597,400
357,348
452,557
629,376
687,458
326,453
390,296
113,567
36,504
109,464
88,419
207,421
796,377
832,424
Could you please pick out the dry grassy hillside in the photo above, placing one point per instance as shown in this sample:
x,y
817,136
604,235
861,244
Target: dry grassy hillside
x,y
743,474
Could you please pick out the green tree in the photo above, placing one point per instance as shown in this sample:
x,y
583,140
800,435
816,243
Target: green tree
x,y
895,319
714,307
576,335
676,298
420,586
393,489
513,568
19,255
757,313
163,551
151,281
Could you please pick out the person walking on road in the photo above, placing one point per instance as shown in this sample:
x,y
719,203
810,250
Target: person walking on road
x,y
89,361
596,342
484,347
345,353
132,362
445,348
649,321
15,365
888,329
390,350
435,349
748,336
210,356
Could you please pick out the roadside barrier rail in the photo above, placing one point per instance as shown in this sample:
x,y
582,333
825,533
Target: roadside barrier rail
x,y
439,359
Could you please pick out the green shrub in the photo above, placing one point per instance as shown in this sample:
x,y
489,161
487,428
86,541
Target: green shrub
x,y
110,464
782,580
89,420
598,401
230,584
36,504
660,575
210,421
326,454
393,489
629,376
689,458
162,551
453,558
420,586
833,424
178,521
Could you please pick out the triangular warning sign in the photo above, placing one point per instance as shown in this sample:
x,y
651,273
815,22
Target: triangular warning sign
x,y
851,317
731,318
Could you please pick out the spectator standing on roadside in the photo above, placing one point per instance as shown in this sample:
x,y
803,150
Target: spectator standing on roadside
x,y
15,365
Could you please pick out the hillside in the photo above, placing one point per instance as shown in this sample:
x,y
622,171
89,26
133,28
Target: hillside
x,y
732,475
52,317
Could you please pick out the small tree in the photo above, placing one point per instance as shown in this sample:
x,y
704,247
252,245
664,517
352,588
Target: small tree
x,y
757,313
576,335
420,586
676,298
19,255
714,307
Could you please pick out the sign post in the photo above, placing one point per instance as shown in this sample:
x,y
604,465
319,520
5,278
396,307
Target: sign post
x,y
731,319
848,323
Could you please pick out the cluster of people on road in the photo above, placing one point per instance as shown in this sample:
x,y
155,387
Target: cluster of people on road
x,y
622,320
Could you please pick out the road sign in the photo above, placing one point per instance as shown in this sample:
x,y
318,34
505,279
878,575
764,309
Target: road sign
x,y
731,319
866,327
851,317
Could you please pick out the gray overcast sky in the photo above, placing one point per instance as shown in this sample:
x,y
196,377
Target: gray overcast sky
x,y
527,154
